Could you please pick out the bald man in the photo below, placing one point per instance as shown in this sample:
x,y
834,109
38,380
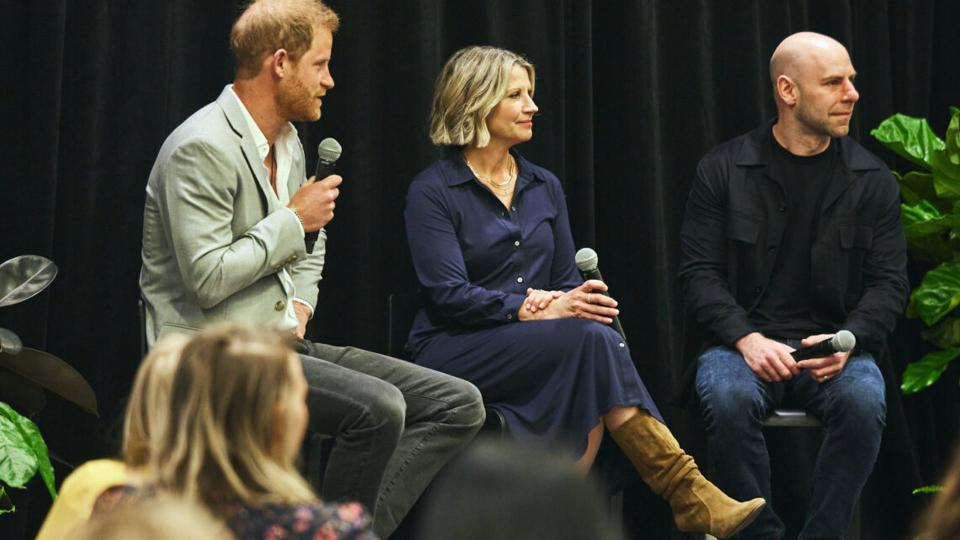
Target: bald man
x,y
792,233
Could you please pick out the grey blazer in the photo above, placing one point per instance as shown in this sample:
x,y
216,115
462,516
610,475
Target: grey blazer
x,y
213,239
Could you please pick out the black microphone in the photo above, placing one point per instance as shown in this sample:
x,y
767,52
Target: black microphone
x,y
328,152
842,341
587,261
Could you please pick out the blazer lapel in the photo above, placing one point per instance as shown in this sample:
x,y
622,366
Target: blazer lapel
x,y
231,109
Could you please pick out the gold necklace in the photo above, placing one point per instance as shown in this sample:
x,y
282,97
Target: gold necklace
x,y
502,188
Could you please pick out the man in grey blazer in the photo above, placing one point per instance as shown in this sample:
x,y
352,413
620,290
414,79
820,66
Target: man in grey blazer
x,y
227,208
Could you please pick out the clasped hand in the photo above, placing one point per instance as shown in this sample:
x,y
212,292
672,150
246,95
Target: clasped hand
x,y
585,301
772,361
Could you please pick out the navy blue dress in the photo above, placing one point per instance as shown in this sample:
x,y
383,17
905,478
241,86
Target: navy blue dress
x,y
552,380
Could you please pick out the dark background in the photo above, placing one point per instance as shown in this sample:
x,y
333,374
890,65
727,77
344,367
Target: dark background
x,y
632,94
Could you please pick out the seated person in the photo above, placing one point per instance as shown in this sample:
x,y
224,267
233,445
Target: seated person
x,y
149,399
237,417
505,307
791,233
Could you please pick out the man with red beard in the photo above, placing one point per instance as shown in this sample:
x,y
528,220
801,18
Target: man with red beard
x,y
792,233
227,209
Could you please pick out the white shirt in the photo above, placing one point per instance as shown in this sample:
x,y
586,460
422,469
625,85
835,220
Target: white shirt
x,y
284,148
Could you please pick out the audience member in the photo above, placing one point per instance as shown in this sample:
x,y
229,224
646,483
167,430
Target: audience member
x,y
148,402
500,491
236,421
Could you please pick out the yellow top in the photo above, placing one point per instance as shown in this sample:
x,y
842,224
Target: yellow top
x,y
77,494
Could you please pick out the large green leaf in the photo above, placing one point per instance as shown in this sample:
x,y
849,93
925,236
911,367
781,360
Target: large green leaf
x,y
916,186
18,463
938,293
946,161
946,333
924,219
30,435
927,370
910,138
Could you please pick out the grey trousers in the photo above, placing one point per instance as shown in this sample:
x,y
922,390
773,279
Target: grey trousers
x,y
396,424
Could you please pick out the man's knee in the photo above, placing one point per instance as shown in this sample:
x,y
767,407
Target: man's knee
x,y
728,393
464,404
385,408
859,397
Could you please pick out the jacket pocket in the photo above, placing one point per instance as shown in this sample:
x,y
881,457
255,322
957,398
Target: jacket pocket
x,y
742,228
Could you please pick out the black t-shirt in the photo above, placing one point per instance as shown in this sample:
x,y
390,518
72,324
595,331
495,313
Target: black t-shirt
x,y
784,309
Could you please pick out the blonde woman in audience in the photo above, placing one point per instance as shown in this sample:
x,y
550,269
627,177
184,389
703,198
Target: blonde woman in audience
x,y
149,401
237,417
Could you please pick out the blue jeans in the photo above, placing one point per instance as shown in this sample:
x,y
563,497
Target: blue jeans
x,y
851,406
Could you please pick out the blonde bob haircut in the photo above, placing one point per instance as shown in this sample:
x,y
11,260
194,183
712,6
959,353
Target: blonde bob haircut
x,y
268,25
220,443
470,85
149,403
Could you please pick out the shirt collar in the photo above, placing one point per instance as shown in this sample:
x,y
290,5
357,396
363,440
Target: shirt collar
x,y
286,136
456,171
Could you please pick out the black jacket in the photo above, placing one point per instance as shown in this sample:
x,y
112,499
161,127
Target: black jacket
x,y
735,218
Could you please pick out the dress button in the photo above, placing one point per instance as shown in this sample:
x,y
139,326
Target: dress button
x,y
757,290
513,208
520,279
781,209
279,305
516,243
771,249
509,316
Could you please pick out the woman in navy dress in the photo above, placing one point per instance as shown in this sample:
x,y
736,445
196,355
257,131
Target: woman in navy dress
x,y
505,307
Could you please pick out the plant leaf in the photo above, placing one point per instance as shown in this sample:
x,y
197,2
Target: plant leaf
x,y
53,374
927,489
924,372
946,161
6,505
31,434
18,464
9,342
909,137
916,186
938,293
23,277
923,219
945,334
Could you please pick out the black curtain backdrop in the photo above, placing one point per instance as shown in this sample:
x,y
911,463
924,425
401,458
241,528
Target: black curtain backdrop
x,y
632,94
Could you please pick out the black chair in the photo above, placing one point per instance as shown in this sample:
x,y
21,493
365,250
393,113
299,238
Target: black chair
x,y
402,308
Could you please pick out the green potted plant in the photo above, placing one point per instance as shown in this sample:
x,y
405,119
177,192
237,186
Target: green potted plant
x,y
24,374
931,223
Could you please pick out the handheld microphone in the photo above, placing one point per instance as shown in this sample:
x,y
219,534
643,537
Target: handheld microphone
x,y
587,260
842,341
328,152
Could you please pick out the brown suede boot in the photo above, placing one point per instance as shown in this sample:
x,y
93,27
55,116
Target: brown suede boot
x,y
698,505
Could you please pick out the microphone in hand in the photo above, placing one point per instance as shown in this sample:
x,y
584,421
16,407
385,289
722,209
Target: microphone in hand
x,y
328,152
842,341
588,264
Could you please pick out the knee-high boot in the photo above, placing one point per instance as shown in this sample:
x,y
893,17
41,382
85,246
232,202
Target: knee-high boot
x,y
698,505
